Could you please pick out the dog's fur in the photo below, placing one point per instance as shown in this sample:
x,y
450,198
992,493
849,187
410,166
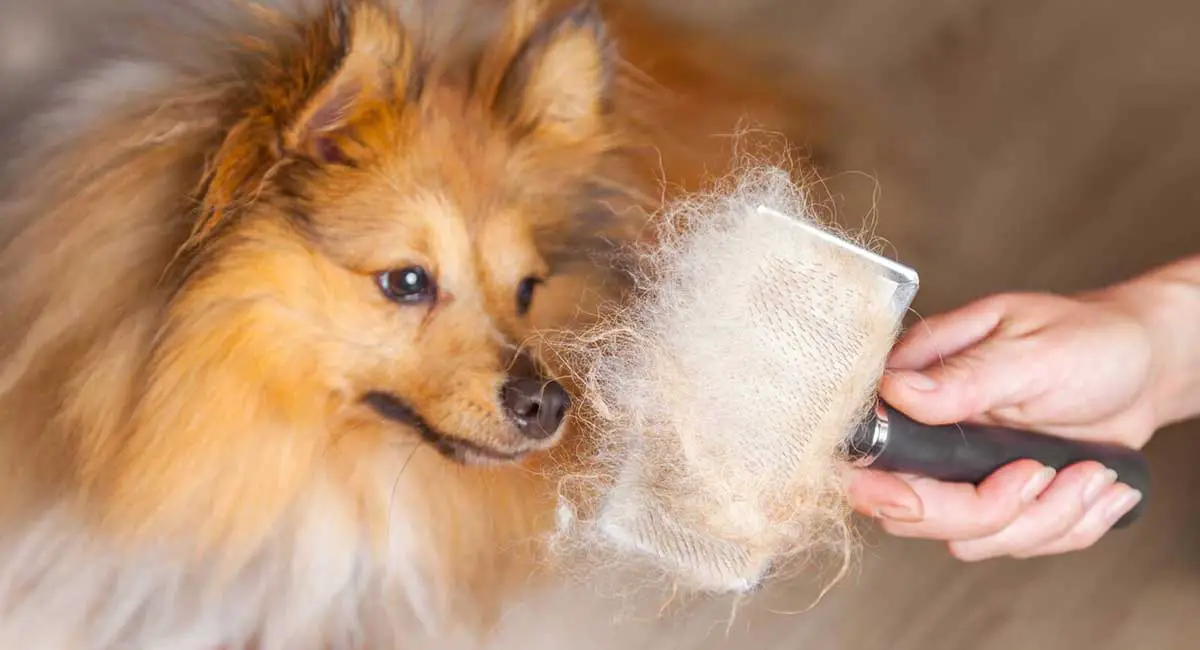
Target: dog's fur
x,y
216,429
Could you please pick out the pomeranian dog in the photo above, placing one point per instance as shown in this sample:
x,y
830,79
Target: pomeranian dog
x,y
266,304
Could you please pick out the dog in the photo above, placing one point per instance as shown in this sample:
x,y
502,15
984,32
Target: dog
x,y
270,297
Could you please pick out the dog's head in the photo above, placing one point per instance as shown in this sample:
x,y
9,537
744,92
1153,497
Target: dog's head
x,y
382,234
400,245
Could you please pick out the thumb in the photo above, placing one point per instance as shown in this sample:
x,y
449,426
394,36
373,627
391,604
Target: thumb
x,y
990,375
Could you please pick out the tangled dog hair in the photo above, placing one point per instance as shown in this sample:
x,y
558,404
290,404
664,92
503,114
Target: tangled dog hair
x,y
722,392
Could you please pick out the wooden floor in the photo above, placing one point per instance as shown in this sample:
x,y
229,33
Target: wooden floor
x,y
1026,144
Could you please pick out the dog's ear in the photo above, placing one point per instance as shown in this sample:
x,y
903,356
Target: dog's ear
x,y
561,76
368,65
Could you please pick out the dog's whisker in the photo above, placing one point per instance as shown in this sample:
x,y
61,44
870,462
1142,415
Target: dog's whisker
x,y
396,484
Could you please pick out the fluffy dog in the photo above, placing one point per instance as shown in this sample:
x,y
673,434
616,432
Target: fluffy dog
x,y
267,298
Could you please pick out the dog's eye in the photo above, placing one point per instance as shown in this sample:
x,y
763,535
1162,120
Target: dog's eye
x,y
407,285
525,293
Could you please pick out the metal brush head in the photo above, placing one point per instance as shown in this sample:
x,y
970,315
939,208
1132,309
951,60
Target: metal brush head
x,y
900,280
727,390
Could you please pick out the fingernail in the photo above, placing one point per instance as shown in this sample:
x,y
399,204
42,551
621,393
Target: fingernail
x,y
917,381
1096,485
902,512
1037,484
1123,505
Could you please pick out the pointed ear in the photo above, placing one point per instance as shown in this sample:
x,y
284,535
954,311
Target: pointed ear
x,y
560,79
369,67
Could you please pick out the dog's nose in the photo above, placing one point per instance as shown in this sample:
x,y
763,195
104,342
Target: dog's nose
x,y
537,407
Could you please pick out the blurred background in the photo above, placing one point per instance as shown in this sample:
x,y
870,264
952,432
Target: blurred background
x,y
1048,145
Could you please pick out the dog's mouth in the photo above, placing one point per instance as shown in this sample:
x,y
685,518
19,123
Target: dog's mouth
x,y
454,448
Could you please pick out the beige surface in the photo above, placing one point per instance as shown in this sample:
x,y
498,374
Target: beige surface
x,y
1016,144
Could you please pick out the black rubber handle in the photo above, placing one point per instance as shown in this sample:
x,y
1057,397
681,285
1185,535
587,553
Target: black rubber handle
x,y
969,453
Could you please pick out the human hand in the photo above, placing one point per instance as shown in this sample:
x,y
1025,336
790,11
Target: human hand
x,y
1079,367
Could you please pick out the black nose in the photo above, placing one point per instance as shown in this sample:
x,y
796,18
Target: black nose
x,y
537,407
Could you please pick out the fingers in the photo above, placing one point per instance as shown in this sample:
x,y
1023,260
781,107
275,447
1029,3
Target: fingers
x,y
991,360
1055,513
934,339
990,376
884,495
1114,503
958,511
956,367
1023,510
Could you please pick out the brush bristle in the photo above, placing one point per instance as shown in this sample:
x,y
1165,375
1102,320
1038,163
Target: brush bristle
x,y
722,393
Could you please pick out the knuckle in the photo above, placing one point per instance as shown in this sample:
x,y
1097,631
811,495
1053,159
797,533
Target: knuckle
x,y
892,528
1074,541
898,529
1083,538
999,302
1083,469
994,520
967,552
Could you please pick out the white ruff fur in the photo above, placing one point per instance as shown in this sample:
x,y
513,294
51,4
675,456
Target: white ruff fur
x,y
319,585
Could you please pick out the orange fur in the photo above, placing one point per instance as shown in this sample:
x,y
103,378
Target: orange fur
x,y
189,309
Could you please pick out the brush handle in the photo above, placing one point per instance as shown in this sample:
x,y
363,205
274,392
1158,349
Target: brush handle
x,y
969,453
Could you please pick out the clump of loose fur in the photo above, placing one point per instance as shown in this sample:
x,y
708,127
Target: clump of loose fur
x,y
722,392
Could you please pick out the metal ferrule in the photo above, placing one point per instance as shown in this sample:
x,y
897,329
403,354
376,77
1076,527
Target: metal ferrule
x,y
872,438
